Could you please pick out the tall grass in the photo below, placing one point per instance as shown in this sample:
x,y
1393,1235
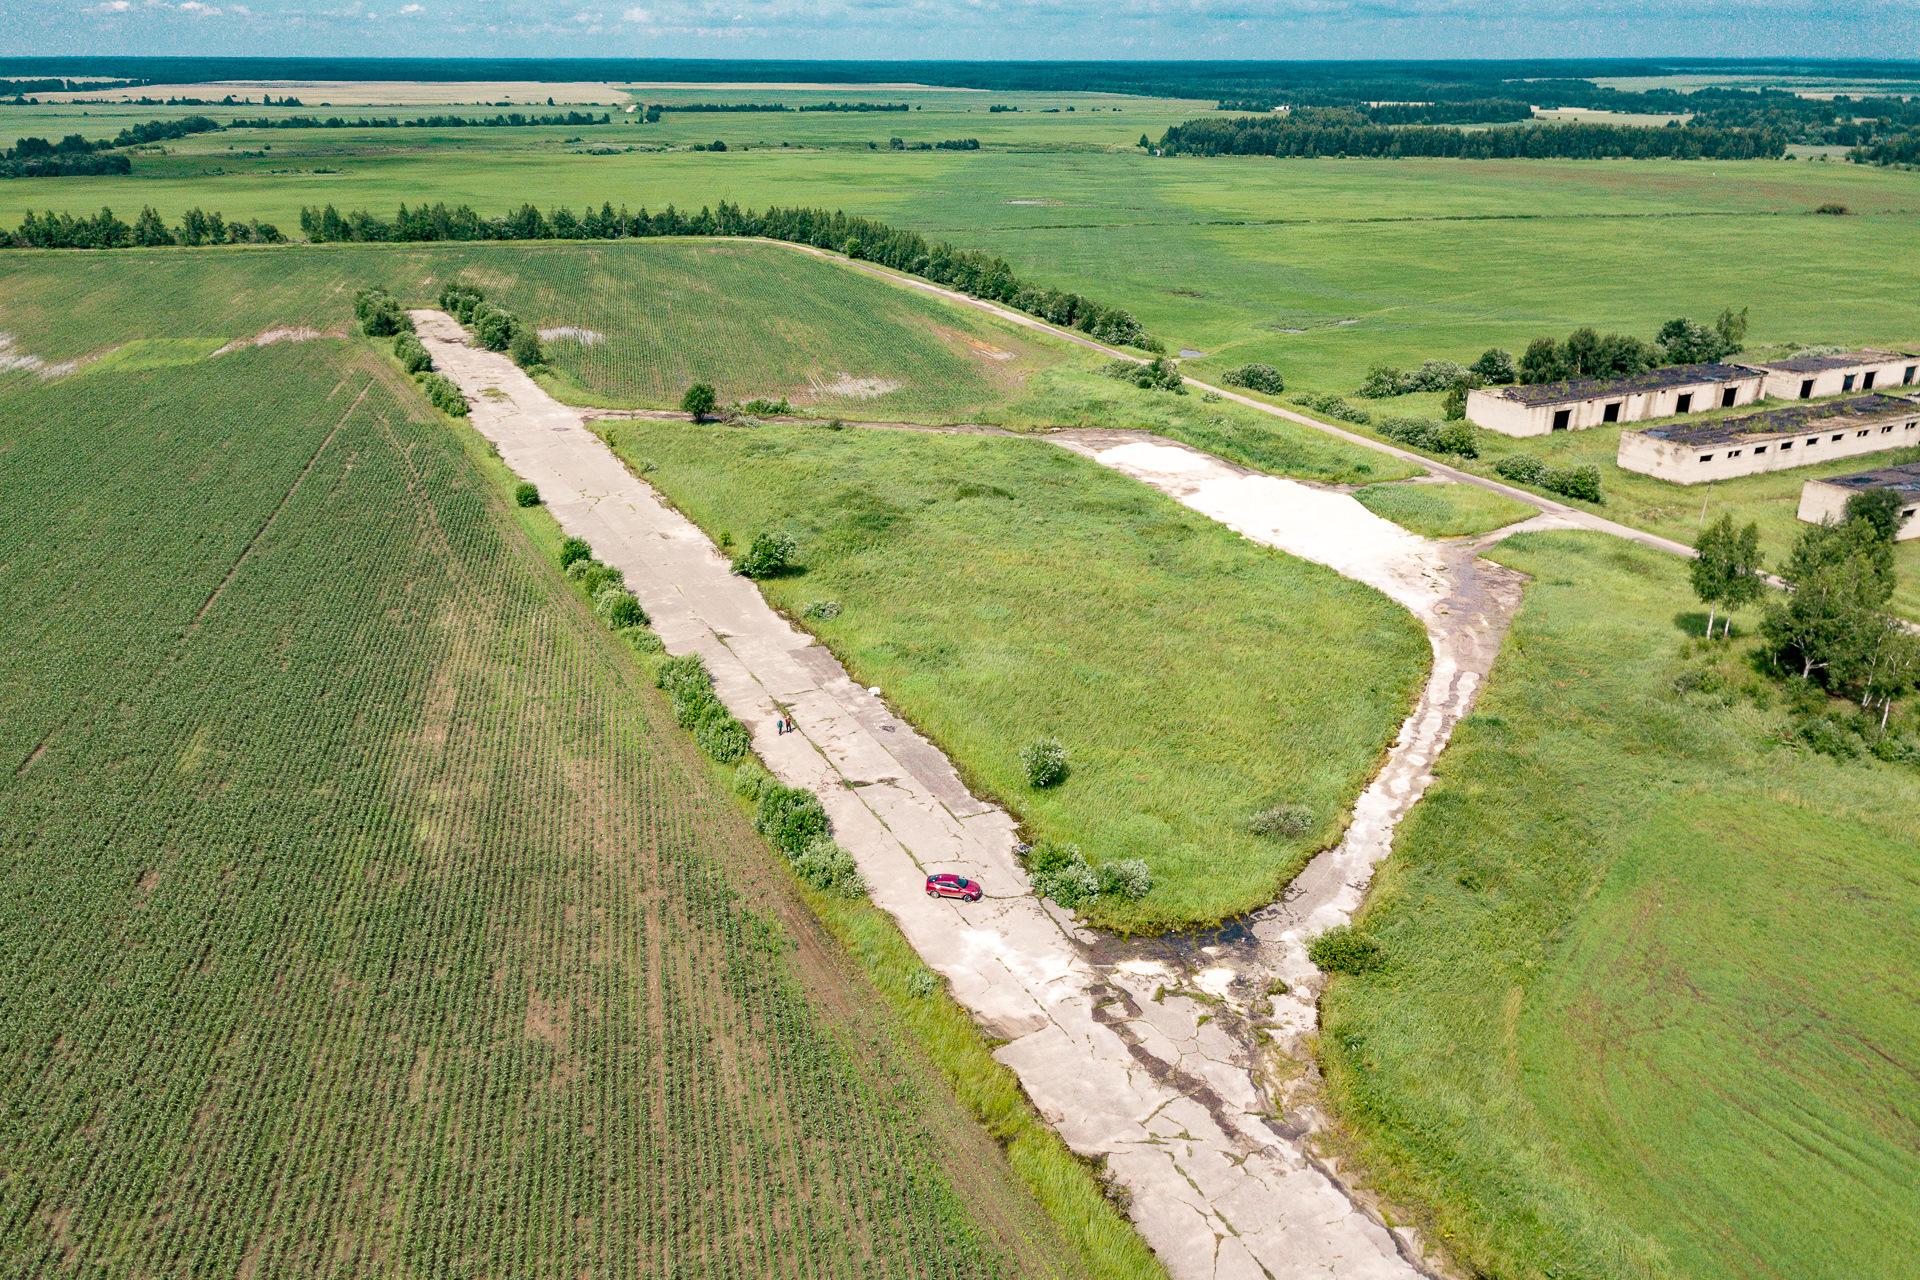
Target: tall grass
x,y
1003,590
1643,1011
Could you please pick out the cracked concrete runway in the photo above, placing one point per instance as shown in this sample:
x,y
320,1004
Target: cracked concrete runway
x,y
1143,1054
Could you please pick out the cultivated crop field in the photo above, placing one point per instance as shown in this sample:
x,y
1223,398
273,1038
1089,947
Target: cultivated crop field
x,y
363,915
1001,591
1647,1007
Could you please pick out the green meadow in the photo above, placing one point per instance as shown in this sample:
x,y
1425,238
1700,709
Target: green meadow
x,y
1442,510
1647,1008
1005,590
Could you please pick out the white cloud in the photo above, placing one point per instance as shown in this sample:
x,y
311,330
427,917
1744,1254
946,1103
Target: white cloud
x,y
637,15
112,6
412,8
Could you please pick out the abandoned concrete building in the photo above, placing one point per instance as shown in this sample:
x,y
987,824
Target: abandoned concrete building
x,y
1771,440
1591,402
1827,499
1811,377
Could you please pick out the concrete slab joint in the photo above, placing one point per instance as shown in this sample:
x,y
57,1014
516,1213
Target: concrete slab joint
x,y
1215,1157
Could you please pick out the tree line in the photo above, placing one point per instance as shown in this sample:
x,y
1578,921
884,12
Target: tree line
x,y
511,120
1472,111
969,271
76,155
1302,134
777,106
105,231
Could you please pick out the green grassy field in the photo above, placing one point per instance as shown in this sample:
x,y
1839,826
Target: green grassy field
x,y
365,913
1369,260
1646,1009
1002,590
1442,510
756,320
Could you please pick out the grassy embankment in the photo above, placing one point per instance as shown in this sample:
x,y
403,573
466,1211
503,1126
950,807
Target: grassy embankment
x,y
1442,510
323,770
1002,590
1647,1004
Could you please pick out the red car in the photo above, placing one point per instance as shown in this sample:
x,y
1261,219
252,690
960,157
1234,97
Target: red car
x,y
949,885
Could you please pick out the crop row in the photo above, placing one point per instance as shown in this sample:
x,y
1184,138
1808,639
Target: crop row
x,y
357,918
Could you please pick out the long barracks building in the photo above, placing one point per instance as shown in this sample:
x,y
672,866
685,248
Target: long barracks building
x,y
1541,408
1771,440
1827,499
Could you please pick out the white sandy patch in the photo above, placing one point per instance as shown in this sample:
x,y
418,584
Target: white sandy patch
x,y
270,337
572,333
1144,969
1328,528
12,359
847,387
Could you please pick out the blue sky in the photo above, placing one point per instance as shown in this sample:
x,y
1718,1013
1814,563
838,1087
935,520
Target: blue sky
x,y
1022,29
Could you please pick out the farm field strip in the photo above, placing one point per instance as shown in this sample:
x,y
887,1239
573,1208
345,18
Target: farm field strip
x,y
369,922
1008,958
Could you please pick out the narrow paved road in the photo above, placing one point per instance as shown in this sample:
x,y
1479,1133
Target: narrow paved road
x,y
1159,1085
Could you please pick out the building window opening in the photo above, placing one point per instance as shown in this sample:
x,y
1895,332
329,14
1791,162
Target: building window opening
x,y
1759,449
1859,433
1884,430
1684,404
1806,389
1840,435
1706,457
1813,439
1561,418
1611,413
1846,383
1728,396
1866,380
1733,453
1785,445
1906,379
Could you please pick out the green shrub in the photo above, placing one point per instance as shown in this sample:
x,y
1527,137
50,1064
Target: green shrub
x,y
1044,762
1071,886
595,577
1288,820
687,670
823,609
830,869
1898,747
574,550
769,554
1256,377
617,607
1573,482
493,326
1157,374
1332,406
1521,468
764,408
459,300
923,982
1129,878
750,779
1831,738
1344,949
524,348
380,314
412,356
791,818
527,494
721,738
444,395
699,400
1456,438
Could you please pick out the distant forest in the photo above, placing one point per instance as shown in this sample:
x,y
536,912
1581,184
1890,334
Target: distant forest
x,y
1392,97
